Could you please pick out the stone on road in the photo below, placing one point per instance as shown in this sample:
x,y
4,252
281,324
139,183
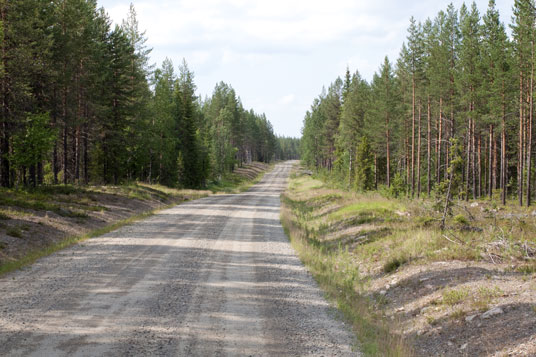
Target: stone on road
x,y
215,276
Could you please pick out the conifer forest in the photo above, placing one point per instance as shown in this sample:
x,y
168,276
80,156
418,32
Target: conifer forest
x,y
82,104
453,114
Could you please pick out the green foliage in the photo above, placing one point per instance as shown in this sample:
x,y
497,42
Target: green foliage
x,y
394,263
398,186
364,177
452,297
14,232
458,77
112,118
460,219
287,148
34,142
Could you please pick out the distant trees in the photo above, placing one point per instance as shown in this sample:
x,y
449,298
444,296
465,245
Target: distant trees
x,y
287,148
80,103
459,79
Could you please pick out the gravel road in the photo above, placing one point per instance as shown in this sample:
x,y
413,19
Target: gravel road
x,y
212,277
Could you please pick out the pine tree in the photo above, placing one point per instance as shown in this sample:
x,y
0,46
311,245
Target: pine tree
x,y
469,88
139,71
382,115
188,129
523,35
497,88
414,66
352,120
163,147
364,177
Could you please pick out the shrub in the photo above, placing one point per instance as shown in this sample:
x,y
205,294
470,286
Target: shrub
x,y
394,263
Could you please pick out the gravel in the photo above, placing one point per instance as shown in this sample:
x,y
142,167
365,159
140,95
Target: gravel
x,y
215,277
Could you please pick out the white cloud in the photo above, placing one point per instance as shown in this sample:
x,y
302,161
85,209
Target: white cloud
x,y
288,99
265,49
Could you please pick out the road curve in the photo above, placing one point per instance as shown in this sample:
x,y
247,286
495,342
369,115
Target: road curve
x,y
211,277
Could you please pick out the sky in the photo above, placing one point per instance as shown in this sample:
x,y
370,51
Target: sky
x,y
278,54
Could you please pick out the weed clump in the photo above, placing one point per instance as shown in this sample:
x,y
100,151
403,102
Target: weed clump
x,y
452,297
14,232
460,219
394,263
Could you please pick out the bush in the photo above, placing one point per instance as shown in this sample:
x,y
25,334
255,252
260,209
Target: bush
x,y
460,219
14,232
398,186
394,263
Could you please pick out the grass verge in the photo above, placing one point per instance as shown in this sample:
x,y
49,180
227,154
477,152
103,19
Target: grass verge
x,y
337,273
241,180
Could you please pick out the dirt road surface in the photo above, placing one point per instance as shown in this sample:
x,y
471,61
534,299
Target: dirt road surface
x,y
212,277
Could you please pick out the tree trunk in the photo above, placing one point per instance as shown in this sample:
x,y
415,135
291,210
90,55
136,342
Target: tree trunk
x,y
467,159
77,154
439,141
375,172
32,176
503,157
428,149
520,160
85,138
479,167
490,163
419,153
388,150
529,127
473,159
4,150
65,156
413,139
40,173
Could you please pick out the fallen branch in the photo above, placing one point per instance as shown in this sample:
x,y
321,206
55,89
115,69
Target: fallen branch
x,y
450,240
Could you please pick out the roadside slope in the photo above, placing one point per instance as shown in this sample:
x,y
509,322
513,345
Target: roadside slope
x,y
411,288
36,222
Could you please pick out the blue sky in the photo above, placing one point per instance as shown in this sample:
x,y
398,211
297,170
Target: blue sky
x,y
277,54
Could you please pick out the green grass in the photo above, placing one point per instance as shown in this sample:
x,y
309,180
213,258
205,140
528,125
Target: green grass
x,y
334,266
452,297
367,206
338,275
484,296
381,235
14,232
234,183
394,263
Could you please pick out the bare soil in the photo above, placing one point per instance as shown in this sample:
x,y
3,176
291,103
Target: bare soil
x,y
414,297
80,212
